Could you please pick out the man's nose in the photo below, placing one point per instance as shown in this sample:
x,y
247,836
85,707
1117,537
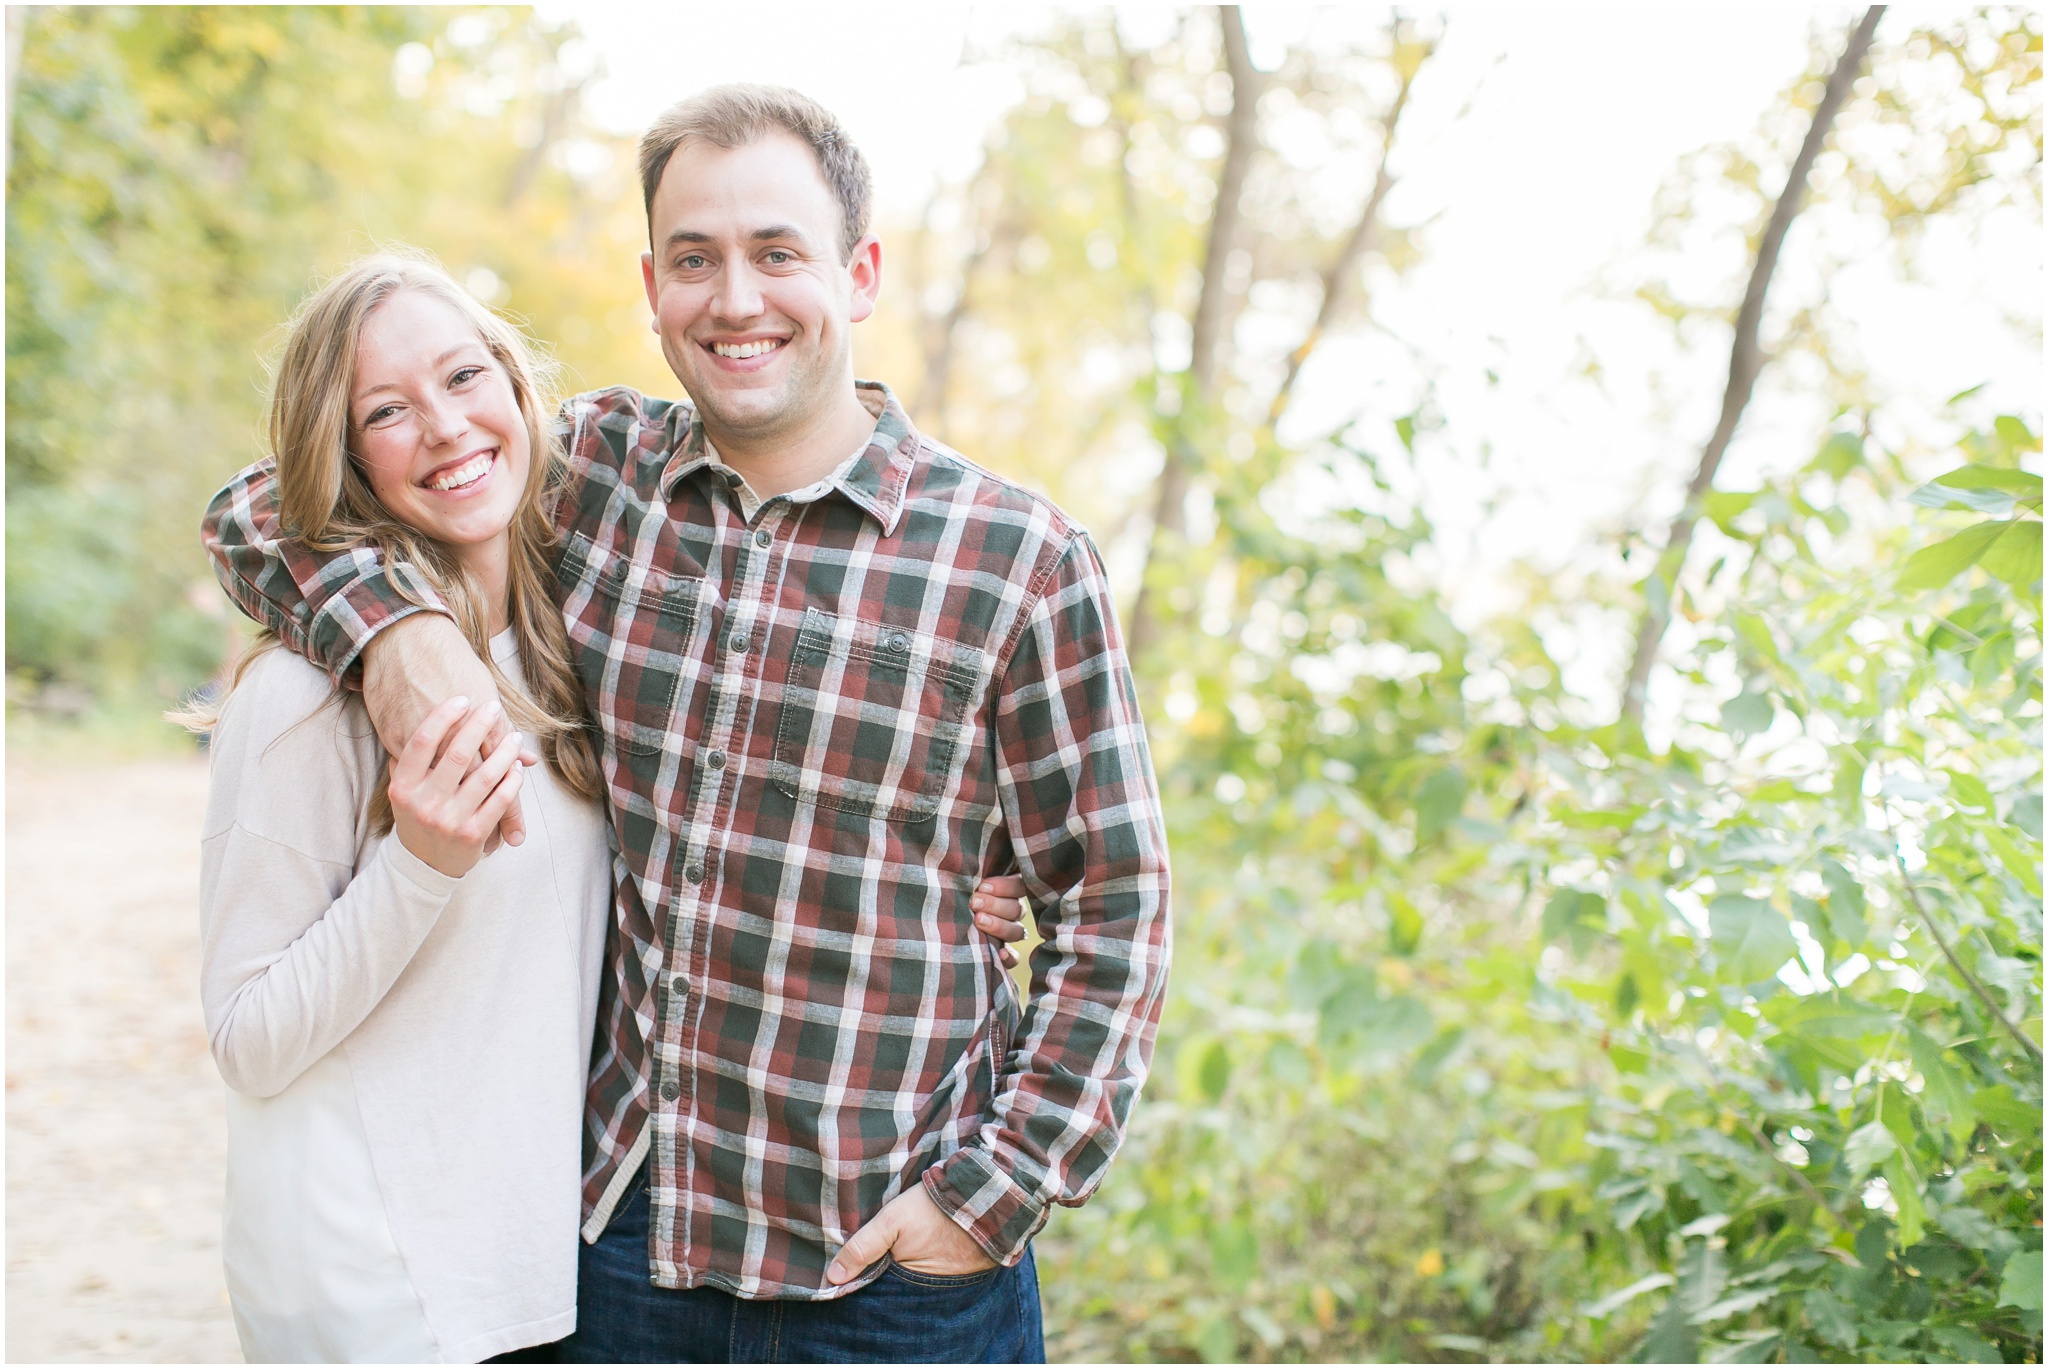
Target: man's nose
x,y
739,294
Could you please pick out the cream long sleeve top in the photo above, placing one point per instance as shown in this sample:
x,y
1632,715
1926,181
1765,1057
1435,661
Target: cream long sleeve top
x,y
406,1052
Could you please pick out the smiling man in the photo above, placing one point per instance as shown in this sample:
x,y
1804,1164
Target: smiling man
x,y
840,673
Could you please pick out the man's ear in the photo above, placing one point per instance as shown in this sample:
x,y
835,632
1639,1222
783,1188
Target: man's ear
x,y
865,266
653,295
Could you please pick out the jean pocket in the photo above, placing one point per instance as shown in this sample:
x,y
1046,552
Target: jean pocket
x,y
918,1279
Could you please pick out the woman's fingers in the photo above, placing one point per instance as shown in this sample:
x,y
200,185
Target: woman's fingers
x,y
503,795
462,748
418,756
470,797
998,907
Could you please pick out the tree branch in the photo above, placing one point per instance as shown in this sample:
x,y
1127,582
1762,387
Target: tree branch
x,y
1169,517
1983,995
1362,234
1745,363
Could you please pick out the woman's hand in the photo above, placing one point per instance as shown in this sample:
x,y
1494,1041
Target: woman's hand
x,y
999,912
442,817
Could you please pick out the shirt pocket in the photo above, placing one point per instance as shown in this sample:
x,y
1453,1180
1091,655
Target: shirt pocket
x,y
631,643
874,718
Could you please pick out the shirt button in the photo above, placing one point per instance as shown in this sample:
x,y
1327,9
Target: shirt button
x,y
764,539
679,986
716,760
898,642
693,874
738,642
671,1090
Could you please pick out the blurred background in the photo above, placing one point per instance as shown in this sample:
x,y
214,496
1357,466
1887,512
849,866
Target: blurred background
x,y
1599,722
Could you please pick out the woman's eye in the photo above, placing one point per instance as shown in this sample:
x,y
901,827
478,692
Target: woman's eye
x,y
379,415
465,375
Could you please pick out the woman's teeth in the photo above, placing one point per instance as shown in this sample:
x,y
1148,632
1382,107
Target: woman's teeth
x,y
740,351
468,473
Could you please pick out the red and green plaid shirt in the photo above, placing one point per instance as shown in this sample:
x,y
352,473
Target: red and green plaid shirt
x,y
825,717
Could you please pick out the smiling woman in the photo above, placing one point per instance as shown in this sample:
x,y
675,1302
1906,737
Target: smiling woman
x,y
404,1027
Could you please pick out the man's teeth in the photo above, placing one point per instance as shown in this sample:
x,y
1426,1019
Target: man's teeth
x,y
740,351
467,473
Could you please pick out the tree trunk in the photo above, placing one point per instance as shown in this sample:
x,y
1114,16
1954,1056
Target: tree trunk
x,y
1169,518
1745,362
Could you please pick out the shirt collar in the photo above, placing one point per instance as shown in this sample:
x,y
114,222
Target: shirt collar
x,y
874,478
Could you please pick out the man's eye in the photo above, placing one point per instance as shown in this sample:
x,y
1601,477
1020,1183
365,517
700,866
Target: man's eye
x,y
778,257
693,262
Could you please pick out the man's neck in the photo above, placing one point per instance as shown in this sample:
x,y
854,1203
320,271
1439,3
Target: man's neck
x,y
777,463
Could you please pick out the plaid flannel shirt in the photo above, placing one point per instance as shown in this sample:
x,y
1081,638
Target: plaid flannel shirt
x,y
824,717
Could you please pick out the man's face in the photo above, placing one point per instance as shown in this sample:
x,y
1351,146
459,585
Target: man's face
x,y
752,296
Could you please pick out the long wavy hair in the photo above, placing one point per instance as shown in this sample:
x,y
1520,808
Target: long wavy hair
x,y
326,501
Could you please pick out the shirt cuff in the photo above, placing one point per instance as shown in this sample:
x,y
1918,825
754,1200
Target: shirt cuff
x,y
986,1203
415,871
345,623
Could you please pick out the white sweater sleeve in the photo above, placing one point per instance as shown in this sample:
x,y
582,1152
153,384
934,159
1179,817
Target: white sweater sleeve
x,y
306,921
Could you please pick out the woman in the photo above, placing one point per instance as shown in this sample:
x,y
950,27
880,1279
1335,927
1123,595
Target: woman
x,y
404,1022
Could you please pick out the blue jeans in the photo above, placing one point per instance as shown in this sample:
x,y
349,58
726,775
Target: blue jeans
x,y
621,1317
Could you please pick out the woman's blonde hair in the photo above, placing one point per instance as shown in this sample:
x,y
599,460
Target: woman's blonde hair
x,y
326,502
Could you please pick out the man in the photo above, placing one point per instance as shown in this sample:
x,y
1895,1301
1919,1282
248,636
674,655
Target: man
x,y
840,672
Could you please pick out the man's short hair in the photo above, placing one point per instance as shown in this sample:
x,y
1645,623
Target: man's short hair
x,y
732,116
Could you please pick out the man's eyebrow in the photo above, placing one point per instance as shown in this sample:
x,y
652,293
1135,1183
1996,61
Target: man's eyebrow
x,y
770,233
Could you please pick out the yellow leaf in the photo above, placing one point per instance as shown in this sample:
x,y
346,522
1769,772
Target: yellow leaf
x,y
1430,1265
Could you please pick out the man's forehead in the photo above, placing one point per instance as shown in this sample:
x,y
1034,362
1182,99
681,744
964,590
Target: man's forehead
x,y
773,182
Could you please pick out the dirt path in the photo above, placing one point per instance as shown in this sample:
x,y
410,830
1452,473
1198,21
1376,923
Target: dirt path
x,y
114,1114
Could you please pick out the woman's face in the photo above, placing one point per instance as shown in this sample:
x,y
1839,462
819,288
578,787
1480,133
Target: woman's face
x,y
434,423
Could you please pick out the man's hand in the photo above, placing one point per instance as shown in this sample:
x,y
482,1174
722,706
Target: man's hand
x,y
920,1237
414,664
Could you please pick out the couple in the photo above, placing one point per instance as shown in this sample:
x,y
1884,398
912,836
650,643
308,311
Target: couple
x,y
839,678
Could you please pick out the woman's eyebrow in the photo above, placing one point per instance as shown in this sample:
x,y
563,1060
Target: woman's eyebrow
x,y
440,360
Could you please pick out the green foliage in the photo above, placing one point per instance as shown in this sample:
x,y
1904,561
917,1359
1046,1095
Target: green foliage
x,y
1497,1030
179,177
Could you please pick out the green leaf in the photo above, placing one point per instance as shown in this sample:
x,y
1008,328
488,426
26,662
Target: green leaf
x,y
1833,1320
1577,915
1623,1296
1966,1347
1839,455
1969,791
2025,485
1845,904
1672,1340
1438,802
1946,1098
1939,496
1214,1074
1932,567
1747,714
1234,1252
1869,1146
1898,1172
2016,557
2012,858
2011,1117
2021,1284
1404,925
1751,938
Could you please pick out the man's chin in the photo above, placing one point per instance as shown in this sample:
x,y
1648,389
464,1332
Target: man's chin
x,y
749,413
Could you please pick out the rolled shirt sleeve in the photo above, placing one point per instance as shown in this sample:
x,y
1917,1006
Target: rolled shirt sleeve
x,y
1082,807
326,606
